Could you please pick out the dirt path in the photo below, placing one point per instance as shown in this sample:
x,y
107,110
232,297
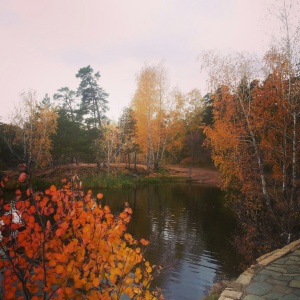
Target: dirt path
x,y
202,176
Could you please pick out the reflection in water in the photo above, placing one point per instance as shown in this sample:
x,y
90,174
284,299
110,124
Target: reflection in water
x,y
189,229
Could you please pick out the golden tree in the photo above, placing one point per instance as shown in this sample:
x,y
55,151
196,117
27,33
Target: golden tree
x,y
150,109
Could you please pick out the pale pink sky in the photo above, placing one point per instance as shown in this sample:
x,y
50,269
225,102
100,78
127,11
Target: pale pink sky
x,y
44,43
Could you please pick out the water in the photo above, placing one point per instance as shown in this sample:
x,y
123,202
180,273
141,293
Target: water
x,y
189,229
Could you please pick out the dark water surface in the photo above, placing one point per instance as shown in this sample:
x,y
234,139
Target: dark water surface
x,y
190,231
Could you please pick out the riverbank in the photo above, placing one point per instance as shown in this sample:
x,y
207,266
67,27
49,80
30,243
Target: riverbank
x,y
120,176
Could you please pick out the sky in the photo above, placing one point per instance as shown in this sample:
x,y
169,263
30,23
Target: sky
x,y
43,43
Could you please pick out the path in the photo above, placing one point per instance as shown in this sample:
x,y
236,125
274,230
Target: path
x,y
203,176
275,276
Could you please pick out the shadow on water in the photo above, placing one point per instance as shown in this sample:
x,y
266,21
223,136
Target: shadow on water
x,y
190,231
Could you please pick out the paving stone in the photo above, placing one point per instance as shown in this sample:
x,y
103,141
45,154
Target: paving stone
x,y
295,283
253,297
244,279
290,297
281,289
293,269
258,288
279,279
281,260
269,272
274,296
290,262
260,277
235,286
296,292
285,277
276,269
273,265
294,258
232,294
277,282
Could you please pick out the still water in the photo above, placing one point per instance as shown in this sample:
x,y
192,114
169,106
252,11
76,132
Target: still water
x,y
190,234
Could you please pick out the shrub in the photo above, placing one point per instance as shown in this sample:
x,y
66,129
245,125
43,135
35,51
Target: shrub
x,y
62,244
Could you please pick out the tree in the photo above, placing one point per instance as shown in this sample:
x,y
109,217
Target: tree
x,y
35,123
251,120
107,145
68,102
176,126
71,143
254,137
128,132
62,244
288,46
149,106
10,153
93,97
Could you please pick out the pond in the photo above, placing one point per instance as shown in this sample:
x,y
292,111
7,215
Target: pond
x,y
190,232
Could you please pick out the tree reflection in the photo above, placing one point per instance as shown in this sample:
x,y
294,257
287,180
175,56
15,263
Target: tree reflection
x,y
190,231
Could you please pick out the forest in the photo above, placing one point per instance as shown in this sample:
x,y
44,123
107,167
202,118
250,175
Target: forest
x,y
158,127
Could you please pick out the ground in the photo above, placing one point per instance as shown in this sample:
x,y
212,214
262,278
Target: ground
x,y
199,175
203,176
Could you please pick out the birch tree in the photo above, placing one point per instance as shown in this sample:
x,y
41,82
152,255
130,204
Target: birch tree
x,y
35,123
149,104
286,43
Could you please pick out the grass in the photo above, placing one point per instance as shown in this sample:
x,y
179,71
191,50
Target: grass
x,y
212,296
217,289
92,178
108,181
119,180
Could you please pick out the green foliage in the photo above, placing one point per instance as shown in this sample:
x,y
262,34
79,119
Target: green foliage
x,y
72,143
69,103
108,181
10,153
93,97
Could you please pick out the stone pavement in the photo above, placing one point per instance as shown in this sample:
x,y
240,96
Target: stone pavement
x,y
275,276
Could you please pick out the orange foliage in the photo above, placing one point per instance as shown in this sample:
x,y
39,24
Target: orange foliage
x,y
62,244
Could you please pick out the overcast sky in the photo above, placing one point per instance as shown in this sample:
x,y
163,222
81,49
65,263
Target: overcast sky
x,y
44,43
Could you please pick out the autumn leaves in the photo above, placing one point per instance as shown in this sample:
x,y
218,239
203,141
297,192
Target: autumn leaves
x,y
67,246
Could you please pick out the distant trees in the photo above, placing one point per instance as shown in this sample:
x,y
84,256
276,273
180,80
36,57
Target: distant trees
x,y
158,126
168,123
81,119
10,152
34,123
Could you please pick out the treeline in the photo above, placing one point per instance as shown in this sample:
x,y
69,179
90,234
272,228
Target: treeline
x,y
255,138
159,126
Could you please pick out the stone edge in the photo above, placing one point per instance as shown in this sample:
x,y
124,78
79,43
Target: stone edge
x,y
234,291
